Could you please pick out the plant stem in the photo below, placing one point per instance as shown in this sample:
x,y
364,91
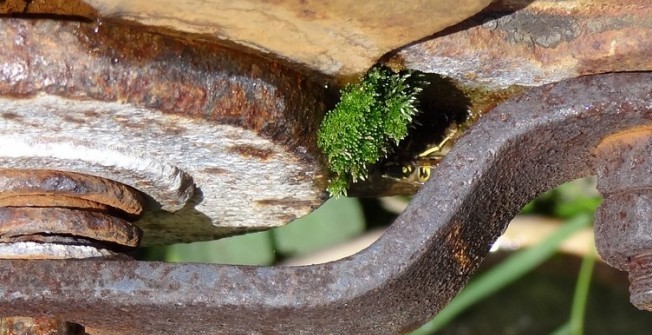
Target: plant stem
x,y
580,298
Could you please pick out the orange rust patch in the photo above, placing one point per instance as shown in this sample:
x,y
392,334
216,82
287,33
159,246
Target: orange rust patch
x,y
459,249
50,7
627,137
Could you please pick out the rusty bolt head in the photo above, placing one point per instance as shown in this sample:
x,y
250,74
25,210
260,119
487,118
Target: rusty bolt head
x,y
623,229
640,281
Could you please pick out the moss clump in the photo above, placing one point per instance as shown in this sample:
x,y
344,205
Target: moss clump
x,y
371,118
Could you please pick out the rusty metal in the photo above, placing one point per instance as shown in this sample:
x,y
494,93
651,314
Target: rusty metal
x,y
50,8
520,149
50,201
623,229
221,140
38,326
61,215
332,37
101,227
535,42
64,188
55,214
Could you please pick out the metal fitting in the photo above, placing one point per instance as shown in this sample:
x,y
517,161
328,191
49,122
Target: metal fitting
x,y
47,214
53,214
623,228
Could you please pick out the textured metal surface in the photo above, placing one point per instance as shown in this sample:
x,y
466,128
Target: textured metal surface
x,y
22,222
624,220
535,42
520,149
66,209
623,229
54,248
221,141
640,280
44,185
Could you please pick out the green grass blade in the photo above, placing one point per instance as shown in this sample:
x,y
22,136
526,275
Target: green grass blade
x,y
575,326
505,273
581,295
563,330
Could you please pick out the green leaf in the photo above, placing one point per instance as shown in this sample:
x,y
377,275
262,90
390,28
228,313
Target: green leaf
x,y
581,296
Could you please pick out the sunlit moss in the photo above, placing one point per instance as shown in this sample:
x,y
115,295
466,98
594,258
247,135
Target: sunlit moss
x,y
371,118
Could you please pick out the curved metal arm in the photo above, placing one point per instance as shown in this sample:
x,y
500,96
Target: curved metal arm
x,y
520,149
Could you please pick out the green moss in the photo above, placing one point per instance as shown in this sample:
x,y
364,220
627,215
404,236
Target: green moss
x,y
371,118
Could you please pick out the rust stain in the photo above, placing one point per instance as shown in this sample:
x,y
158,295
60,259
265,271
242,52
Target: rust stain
x,y
50,200
92,114
42,325
628,137
69,8
286,217
11,116
286,202
249,151
552,42
22,221
215,170
72,119
459,248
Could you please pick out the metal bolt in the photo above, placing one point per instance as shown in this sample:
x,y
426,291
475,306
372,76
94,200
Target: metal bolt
x,y
48,214
623,229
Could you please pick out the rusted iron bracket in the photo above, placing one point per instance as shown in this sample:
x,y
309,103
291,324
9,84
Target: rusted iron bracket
x,y
522,148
